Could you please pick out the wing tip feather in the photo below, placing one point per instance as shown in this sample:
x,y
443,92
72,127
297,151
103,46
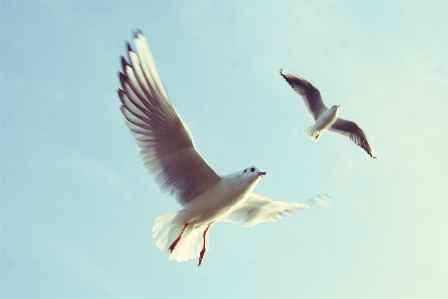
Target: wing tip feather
x,y
137,32
129,47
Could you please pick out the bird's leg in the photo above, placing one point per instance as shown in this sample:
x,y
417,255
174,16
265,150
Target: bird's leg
x,y
203,247
178,238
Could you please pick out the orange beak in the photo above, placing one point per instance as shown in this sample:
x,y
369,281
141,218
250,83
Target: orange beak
x,y
261,173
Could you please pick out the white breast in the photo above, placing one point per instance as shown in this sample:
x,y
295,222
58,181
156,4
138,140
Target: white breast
x,y
218,200
327,119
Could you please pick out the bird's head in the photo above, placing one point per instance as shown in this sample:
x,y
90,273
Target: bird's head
x,y
335,110
245,179
253,172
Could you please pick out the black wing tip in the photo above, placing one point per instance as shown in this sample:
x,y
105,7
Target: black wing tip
x,y
137,32
122,76
121,95
370,154
123,79
286,73
291,77
360,138
128,47
368,146
286,77
124,63
369,151
283,74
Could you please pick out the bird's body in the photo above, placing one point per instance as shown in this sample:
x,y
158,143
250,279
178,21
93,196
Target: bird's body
x,y
226,195
325,118
323,123
202,212
168,153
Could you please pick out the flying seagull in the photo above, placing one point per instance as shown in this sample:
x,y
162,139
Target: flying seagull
x,y
167,151
326,119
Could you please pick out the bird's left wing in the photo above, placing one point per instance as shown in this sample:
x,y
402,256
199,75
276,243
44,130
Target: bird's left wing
x,y
163,140
257,209
355,133
310,94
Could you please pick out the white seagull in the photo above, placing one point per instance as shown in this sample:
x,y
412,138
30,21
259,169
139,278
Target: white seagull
x,y
325,119
168,153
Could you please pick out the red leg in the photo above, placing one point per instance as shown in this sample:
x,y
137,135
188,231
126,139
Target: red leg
x,y
178,238
203,247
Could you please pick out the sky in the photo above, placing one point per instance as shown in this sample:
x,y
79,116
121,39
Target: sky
x,y
77,207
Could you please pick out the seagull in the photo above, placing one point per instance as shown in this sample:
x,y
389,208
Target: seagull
x,y
167,152
324,118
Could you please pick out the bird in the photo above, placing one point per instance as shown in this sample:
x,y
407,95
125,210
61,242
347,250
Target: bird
x,y
168,154
324,118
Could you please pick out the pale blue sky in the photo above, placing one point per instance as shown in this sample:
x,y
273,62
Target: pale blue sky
x,y
77,208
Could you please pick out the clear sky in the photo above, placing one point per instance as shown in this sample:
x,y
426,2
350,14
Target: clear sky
x,y
77,207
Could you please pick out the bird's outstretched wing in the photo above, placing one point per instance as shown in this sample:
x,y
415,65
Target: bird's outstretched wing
x,y
354,132
257,209
310,94
164,142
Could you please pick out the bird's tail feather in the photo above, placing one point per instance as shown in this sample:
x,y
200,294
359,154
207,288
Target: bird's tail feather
x,y
168,228
312,133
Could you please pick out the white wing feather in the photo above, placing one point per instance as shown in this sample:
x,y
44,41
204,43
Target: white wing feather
x,y
258,209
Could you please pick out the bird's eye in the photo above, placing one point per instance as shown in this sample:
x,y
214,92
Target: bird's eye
x,y
252,169
245,170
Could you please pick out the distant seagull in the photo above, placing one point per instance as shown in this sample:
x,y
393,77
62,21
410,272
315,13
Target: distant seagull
x,y
168,153
326,119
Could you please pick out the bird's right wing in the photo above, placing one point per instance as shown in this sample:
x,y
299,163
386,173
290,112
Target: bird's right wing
x,y
257,209
355,133
164,142
310,94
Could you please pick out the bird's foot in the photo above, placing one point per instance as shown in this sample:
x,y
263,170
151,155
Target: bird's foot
x,y
201,254
173,245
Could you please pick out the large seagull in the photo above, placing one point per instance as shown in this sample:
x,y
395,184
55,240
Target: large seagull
x,y
168,153
325,119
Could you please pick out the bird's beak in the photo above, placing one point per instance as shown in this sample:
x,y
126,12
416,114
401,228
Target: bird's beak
x,y
262,173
